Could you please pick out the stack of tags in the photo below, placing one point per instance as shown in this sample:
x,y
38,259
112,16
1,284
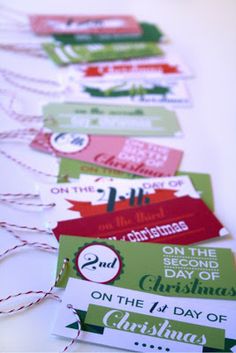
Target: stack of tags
x,y
121,301
109,101
96,38
104,136
120,200
119,60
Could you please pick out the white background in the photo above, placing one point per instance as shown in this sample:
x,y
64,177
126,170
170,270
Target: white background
x,y
204,34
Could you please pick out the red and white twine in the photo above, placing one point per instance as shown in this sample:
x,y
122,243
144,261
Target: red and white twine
x,y
25,49
39,300
26,166
17,203
19,134
13,77
16,200
69,306
20,117
24,228
25,243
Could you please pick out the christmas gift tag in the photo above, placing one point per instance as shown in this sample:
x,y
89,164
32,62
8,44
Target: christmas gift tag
x,y
203,185
72,169
150,33
89,24
143,322
69,53
172,220
81,199
168,66
166,270
110,120
125,154
201,182
142,91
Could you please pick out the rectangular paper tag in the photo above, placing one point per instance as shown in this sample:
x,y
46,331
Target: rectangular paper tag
x,y
150,33
111,120
181,220
125,154
201,182
69,53
169,66
142,322
203,185
166,270
89,24
71,169
82,199
144,92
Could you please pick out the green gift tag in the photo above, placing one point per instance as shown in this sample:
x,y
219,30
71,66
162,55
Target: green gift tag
x,y
202,183
151,33
169,270
66,54
101,119
143,322
70,168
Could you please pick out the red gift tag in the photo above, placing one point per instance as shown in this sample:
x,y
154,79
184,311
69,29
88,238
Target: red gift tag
x,y
70,24
129,68
120,153
183,220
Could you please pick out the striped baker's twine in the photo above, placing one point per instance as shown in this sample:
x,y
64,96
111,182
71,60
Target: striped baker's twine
x,y
10,228
22,118
26,166
20,195
25,118
13,77
40,246
45,294
39,300
23,227
25,49
14,199
17,203
24,243
26,134
69,306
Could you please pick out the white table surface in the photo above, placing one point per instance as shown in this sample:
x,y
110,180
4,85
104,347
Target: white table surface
x,y
204,34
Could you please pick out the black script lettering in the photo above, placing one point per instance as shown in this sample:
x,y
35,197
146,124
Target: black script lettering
x,y
91,260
